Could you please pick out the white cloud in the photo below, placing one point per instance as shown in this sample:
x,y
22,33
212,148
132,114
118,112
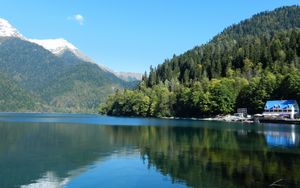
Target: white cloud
x,y
78,18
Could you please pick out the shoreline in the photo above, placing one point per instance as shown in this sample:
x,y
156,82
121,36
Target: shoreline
x,y
225,118
222,118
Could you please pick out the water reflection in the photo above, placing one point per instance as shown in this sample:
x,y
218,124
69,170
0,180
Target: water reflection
x,y
29,151
123,171
279,139
211,157
79,155
49,180
287,138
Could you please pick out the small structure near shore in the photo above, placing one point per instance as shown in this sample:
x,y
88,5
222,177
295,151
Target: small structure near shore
x,y
243,111
281,108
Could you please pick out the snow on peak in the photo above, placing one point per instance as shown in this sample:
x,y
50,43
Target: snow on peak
x,y
56,46
60,46
7,30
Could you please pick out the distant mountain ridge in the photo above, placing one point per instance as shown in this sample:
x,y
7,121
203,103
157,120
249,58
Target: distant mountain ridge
x,y
129,76
61,48
54,74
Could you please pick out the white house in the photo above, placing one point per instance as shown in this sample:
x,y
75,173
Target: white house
x,y
283,108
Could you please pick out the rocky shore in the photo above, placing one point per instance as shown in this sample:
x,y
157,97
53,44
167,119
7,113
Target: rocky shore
x,y
231,118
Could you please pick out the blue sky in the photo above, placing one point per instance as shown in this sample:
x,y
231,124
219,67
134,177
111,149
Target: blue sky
x,y
131,35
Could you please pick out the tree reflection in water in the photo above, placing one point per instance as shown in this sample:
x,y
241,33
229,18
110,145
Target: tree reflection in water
x,y
198,156
203,157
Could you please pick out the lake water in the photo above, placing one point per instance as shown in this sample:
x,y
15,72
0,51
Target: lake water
x,y
63,150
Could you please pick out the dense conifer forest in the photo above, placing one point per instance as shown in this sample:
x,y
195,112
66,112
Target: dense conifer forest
x,y
245,65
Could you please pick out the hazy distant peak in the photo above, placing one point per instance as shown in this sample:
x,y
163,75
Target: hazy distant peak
x,y
7,30
129,76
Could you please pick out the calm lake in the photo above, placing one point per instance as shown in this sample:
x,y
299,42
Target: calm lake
x,y
67,150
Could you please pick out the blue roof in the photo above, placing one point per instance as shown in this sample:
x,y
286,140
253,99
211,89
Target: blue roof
x,y
281,104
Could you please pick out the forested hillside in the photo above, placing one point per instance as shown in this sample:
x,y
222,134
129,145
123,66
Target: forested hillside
x,y
245,65
37,80
14,98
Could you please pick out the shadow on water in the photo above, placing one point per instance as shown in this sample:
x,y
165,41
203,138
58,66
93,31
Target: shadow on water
x,y
191,153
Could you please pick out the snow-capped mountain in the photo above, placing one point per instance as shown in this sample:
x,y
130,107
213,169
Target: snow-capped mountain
x,y
59,46
50,75
7,30
56,46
